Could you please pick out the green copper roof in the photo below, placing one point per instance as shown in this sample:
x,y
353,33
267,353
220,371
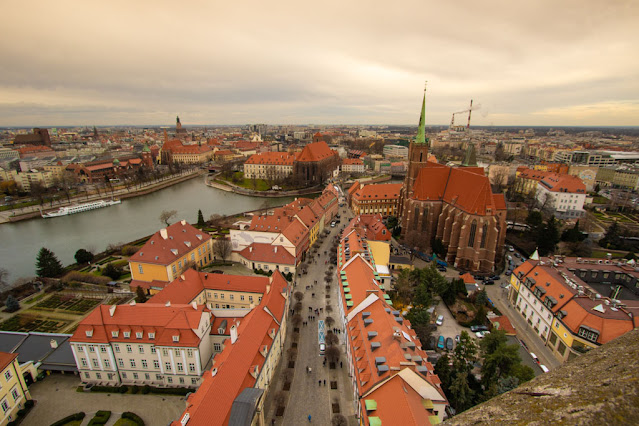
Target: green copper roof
x,y
421,129
375,421
470,160
371,404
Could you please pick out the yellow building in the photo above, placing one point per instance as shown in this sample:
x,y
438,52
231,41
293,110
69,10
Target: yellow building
x,y
167,254
13,389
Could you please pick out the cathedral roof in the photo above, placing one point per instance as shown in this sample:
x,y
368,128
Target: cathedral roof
x,y
466,188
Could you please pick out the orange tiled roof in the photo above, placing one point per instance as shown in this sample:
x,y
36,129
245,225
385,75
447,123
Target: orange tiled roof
x,y
6,359
467,188
610,324
369,227
352,162
378,191
164,321
468,279
563,183
184,290
181,239
316,151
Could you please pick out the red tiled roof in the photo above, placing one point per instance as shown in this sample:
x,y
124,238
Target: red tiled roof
x,y
352,161
164,251
610,324
503,323
191,149
6,359
316,151
563,183
164,321
369,227
147,285
259,252
468,279
272,158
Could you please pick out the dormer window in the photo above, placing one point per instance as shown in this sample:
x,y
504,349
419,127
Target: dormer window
x,y
151,336
127,334
176,338
138,335
115,333
89,333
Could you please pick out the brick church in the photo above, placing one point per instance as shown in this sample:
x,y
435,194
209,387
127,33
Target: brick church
x,y
455,205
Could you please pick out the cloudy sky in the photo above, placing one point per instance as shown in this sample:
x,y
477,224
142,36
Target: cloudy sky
x,y
541,62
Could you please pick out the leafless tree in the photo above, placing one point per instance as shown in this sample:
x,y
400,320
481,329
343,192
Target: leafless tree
x,y
222,248
296,320
329,321
299,296
167,215
339,420
4,275
333,353
331,338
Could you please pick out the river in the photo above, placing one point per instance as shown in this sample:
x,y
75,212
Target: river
x,y
133,219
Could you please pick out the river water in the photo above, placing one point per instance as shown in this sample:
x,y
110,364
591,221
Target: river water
x,y
133,219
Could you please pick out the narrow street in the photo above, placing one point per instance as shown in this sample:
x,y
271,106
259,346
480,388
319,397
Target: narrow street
x,y
311,392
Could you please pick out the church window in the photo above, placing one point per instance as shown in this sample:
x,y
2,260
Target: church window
x,y
425,219
416,217
473,231
484,233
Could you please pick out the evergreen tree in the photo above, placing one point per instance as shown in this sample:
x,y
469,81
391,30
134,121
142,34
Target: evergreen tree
x,y
47,264
573,235
548,237
460,392
11,304
611,237
200,219
465,353
140,295
534,220
112,271
443,371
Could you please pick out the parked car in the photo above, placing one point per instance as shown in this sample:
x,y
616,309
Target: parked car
x,y
440,320
511,248
440,342
475,328
517,255
489,282
481,334
322,348
333,224
457,338
544,368
449,343
495,277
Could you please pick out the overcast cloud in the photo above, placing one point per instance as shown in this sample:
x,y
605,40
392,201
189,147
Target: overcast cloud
x,y
536,62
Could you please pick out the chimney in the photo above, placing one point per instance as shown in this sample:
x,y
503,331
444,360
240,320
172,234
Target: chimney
x,y
164,234
213,372
251,249
183,222
275,249
53,343
132,303
194,305
167,304
112,310
233,334
182,277
206,276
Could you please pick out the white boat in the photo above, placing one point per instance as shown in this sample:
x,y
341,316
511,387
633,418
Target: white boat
x,y
79,208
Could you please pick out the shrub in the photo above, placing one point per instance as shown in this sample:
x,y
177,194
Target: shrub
x,y
133,417
129,250
84,277
134,389
146,389
70,418
100,418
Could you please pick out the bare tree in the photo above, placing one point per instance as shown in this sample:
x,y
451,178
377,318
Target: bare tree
x,y
4,275
329,321
222,248
339,420
331,339
299,296
167,215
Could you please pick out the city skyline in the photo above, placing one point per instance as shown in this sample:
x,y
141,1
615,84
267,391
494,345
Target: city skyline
x,y
538,64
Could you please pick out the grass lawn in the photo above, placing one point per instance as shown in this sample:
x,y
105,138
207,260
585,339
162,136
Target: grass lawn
x,y
25,323
239,180
125,422
600,200
601,254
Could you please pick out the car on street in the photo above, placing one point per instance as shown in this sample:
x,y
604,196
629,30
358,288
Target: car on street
x,y
440,320
449,343
322,348
511,248
482,334
495,278
489,282
333,224
440,342
544,368
517,255
476,328
457,338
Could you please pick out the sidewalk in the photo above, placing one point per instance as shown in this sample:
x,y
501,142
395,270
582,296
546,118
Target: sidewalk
x,y
306,396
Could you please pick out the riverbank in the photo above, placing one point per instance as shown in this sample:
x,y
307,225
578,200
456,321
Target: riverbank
x,y
229,187
31,212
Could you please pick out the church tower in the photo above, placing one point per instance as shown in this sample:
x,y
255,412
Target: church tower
x,y
418,151
417,157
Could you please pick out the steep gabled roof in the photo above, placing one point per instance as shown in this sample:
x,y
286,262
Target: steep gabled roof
x,y
170,244
316,151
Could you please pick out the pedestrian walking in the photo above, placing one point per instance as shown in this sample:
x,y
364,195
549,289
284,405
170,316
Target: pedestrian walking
x,y
340,364
324,382
319,383
309,418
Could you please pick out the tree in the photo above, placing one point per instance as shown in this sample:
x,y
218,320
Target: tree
x,y
200,219
38,190
333,353
573,235
492,341
222,248
296,320
443,371
4,275
329,321
140,295
499,364
548,237
437,246
465,352
167,215
482,298
299,296
535,219
112,271
83,256
331,339
11,303
612,237
460,392
418,316
339,420
391,222
47,264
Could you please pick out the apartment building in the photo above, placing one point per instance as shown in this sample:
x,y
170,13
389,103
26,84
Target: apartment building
x,y
564,194
352,165
395,151
576,304
167,254
13,388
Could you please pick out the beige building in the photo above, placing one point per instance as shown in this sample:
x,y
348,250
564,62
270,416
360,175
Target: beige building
x,y
13,388
269,165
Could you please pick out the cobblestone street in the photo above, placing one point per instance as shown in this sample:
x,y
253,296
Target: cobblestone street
x,y
311,392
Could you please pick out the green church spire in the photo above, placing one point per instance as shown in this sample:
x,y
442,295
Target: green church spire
x,y
470,160
421,129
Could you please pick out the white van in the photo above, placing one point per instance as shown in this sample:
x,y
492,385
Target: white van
x,y
544,368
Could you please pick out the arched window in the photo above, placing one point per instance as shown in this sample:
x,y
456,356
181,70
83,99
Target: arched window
x,y
416,218
471,236
425,219
484,233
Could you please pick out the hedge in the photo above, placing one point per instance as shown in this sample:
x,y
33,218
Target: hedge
x,y
70,418
100,418
133,417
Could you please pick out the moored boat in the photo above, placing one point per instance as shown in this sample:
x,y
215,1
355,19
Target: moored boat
x,y
79,208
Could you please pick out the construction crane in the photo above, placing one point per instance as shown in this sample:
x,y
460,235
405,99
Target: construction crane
x,y
469,111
